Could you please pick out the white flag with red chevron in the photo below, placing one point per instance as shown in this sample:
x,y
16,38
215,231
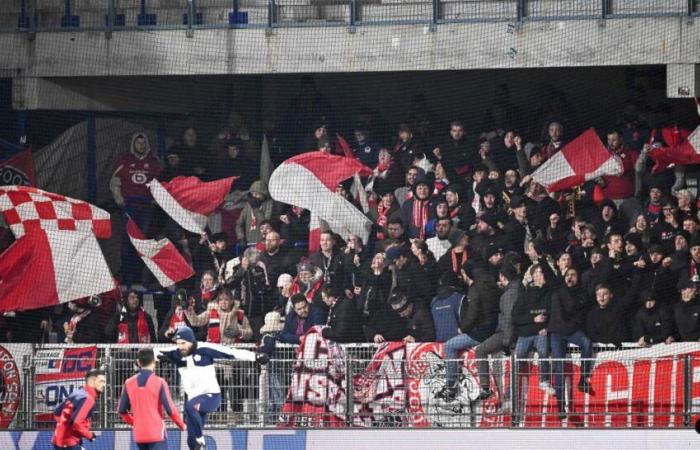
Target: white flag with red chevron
x,y
160,256
309,181
189,201
585,158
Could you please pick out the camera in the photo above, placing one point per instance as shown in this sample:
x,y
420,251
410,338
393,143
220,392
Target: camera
x,y
95,301
182,300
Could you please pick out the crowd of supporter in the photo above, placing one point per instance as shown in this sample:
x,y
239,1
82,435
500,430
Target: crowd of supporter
x,y
465,247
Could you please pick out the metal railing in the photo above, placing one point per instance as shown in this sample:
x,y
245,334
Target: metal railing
x,y
355,390
115,15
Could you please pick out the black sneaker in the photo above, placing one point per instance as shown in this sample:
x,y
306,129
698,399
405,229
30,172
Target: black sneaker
x,y
447,393
485,394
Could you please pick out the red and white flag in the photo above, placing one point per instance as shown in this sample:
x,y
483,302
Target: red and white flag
x,y
309,181
27,208
582,159
342,147
189,201
46,267
686,152
161,257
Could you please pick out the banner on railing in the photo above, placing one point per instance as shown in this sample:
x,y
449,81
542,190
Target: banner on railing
x,y
58,372
399,386
11,381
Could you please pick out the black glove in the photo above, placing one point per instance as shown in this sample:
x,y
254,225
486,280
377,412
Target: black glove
x,y
93,437
262,358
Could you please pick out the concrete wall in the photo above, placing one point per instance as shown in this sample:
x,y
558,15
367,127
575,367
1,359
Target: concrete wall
x,y
371,48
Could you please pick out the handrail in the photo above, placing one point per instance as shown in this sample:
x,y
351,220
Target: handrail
x,y
514,10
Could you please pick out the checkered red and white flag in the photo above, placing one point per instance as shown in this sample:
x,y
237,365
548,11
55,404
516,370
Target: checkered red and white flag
x,y
27,208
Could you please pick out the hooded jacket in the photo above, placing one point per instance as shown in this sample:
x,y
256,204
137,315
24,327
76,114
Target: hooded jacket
x,y
128,182
254,212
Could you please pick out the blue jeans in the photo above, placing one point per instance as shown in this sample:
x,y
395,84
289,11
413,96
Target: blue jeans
x,y
559,343
196,411
452,347
541,345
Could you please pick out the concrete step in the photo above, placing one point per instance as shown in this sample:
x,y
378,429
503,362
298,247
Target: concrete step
x,y
563,8
649,6
456,10
396,12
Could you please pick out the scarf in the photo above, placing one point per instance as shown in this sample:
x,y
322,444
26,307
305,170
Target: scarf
x,y
142,332
420,216
72,324
457,265
178,318
214,326
382,219
310,290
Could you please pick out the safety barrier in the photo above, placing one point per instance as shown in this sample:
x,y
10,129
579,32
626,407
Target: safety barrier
x,y
394,386
115,15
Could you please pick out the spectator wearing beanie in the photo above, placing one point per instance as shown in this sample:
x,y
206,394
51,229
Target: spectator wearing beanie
x,y
567,324
445,307
408,275
258,208
418,210
386,209
652,324
462,214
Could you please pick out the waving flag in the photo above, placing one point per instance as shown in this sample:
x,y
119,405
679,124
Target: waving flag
x,y
27,208
342,147
46,268
161,257
686,152
309,181
583,159
189,201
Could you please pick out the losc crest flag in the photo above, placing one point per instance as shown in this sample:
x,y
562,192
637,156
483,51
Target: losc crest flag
x,y
18,170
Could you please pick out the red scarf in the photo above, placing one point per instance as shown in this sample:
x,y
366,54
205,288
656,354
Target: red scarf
x,y
296,289
178,318
214,327
457,265
382,219
207,296
72,324
144,335
454,211
420,215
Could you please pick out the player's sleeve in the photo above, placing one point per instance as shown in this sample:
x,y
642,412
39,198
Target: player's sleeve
x,y
169,406
79,418
221,352
125,407
165,354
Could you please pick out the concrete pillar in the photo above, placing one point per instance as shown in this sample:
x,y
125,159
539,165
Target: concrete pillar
x,y
683,80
